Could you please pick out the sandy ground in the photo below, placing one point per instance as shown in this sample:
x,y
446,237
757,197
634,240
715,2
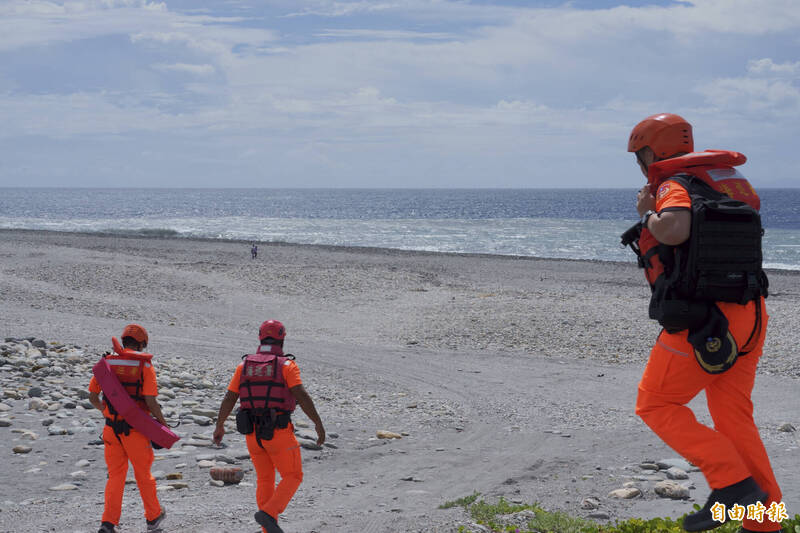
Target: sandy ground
x,y
510,377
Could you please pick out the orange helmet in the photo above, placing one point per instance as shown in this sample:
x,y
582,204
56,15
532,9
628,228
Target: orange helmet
x,y
273,329
137,332
666,134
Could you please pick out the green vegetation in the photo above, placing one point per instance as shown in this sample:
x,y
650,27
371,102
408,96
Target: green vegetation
x,y
537,520
464,502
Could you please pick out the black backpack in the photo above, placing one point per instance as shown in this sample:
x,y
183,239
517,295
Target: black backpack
x,y
721,260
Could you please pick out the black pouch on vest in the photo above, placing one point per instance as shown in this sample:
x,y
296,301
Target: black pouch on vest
x,y
677,315
244,424
265,429
714,347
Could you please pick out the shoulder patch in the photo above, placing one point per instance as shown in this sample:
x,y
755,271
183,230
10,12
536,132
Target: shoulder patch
x,y
662,191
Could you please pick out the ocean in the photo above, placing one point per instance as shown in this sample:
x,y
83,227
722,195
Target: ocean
x,y
552,223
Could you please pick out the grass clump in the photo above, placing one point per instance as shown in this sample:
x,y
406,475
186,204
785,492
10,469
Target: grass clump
x,y
498,517
464,502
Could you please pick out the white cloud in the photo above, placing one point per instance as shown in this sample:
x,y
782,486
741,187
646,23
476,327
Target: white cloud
x,y
340,9
528,83
778,97
383,34
767,66
196,70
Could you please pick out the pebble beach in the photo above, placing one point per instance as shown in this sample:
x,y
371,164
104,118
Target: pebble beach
x,y
437,376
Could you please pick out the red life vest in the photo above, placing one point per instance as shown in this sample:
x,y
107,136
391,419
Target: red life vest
x,y
128,365
714,167
262,385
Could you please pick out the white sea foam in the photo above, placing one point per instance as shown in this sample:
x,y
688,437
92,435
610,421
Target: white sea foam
x,y
539,237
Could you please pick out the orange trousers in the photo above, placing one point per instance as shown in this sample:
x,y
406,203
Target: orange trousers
x,y
732,450
281,453
135,448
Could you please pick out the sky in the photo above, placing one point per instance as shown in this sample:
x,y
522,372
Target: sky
x,y
387,93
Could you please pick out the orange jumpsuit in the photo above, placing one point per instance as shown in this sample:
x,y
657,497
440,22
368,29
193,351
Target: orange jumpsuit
x,y
281,453
732,450
135,448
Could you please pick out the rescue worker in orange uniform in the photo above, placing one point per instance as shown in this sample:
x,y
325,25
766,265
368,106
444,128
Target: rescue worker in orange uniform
x,y
122,443
731,455
269,386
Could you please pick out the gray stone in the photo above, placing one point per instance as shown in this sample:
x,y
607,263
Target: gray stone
x,y
205,464
648,466
674,472
22,449
224,458
197,442
38,343
216,483
58,430
590,503
671,489
599,515
201,420
209,413
4,407
47,421
80,474
5,422
787,428
82,463
35,392
684,465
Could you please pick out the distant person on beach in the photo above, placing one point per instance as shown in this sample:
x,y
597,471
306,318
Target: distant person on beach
x,y
699,241
269,387
254,252
123,443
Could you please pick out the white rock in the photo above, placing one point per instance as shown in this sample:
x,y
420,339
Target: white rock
x,y
64,486
672,490
37,404
625,494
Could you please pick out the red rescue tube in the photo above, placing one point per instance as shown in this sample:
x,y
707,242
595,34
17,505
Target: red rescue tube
x,y
114,392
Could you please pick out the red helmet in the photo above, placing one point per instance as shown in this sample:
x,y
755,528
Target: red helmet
x,y
666,134
273,329
137,332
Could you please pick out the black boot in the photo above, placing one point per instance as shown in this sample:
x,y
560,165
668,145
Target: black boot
x,y
107,527
744,493
267,522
